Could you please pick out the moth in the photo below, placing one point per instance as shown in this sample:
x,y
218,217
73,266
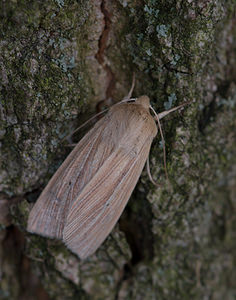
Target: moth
x,y
86,196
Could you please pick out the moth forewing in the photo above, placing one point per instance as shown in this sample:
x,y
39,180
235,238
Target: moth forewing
x,y
86,196
98,209
48,215
100,204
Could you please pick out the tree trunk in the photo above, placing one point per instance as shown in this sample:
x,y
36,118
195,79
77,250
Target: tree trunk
x,y
58,60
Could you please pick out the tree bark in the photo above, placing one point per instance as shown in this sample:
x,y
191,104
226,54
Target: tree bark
x,y
58,60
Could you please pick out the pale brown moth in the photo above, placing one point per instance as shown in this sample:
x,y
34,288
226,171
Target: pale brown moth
x,y
86,196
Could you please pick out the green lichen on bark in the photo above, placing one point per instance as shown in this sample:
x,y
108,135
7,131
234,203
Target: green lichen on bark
x,y
177,241
182,51
44,81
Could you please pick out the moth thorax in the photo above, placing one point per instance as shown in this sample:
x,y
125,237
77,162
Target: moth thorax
x,y
144,101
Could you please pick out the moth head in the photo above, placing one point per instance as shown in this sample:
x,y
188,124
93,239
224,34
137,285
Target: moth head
x,y
144,101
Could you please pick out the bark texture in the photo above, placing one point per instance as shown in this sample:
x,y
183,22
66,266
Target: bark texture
x,y
58,59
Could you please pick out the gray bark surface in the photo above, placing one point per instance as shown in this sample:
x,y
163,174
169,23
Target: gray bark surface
x,y
58,59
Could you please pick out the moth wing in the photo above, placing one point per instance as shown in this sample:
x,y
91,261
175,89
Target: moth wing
x,y
48,215
99,206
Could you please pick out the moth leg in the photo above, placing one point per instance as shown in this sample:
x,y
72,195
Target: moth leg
x,y
162,138
150,175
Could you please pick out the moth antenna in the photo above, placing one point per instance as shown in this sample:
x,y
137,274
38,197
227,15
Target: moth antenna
x,y
163,141
166,112
85,123
128,97
149,173
71,145
98,114
126,100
